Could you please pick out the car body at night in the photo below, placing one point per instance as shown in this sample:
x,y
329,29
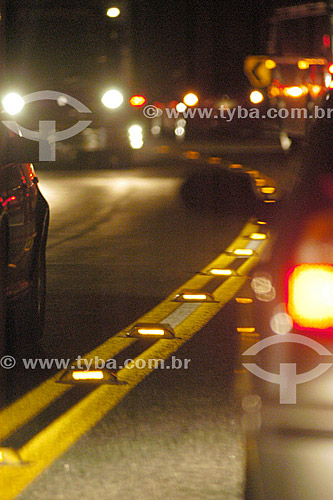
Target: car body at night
x,y
24,218
289,423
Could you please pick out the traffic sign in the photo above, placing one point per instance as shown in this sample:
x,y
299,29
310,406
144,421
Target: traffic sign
x,y
256,70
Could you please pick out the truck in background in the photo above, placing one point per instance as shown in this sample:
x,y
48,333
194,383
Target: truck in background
x,y
295,74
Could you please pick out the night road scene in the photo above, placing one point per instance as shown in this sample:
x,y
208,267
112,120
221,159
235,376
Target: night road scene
x,y
166,250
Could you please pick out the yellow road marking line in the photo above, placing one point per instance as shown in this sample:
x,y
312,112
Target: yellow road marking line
x,y
57,437
31,404
34,402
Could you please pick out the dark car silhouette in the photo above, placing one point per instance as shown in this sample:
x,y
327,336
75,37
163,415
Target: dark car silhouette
x,y
24,218
288,436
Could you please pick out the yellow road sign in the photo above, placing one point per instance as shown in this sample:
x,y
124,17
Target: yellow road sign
x,y
256,70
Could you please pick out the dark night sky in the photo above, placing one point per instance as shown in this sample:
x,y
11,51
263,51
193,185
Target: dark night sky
x,y
180,44
198,43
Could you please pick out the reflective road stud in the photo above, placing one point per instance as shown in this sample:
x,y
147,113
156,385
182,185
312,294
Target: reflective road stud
x,y
151,330
194,296
9,456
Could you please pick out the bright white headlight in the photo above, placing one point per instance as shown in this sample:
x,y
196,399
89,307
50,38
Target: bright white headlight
x,y
136,143
13,103
135,133
135,130
179,131
112,99
181,107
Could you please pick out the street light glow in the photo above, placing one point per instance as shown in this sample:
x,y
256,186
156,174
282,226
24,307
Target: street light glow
x,y
113,12
13,103
256,97
112,99
191,99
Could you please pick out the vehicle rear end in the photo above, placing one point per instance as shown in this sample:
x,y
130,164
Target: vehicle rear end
x,y
288,411
300,64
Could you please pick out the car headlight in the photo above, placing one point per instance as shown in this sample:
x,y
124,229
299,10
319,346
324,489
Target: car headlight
x,y
13,103
135,133
112,99
256,97
135,130
191,99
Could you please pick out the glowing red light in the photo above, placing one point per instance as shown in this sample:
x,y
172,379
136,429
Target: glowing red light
x,y
137,100
8,200
326,41
309,290
173,104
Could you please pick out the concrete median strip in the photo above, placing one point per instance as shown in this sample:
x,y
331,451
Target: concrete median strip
x,y
185,318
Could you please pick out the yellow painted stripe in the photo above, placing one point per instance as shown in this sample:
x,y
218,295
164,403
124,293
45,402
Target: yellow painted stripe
x,y
55,439
26,408
31,404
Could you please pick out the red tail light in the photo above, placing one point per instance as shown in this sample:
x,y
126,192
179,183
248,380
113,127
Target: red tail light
x,y
309,301
326,41
137,100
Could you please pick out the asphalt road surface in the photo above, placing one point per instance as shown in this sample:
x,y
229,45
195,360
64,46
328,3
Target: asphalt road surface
x,y
120,241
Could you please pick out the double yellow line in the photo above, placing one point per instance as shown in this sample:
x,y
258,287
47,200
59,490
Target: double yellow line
x,y
57,437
